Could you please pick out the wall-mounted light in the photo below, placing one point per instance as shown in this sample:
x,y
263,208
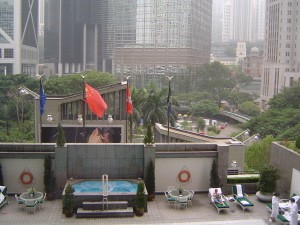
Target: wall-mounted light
x,y
110,119
80,119
233,164
49,118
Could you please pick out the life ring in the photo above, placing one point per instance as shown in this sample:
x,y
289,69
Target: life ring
x,y
184,176
24,179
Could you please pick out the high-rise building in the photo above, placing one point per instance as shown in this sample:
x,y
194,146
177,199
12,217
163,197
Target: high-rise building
x,y
281,54
18,37
144,39
243,20
217,18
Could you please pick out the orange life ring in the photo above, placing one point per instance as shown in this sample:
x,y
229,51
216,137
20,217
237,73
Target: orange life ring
x,y
184,176
25,180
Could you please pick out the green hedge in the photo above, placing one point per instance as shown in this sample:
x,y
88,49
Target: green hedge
x,y
236,179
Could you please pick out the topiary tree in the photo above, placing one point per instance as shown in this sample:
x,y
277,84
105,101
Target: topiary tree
x,y
148,139
140,200
297,143
61,140
267,180
214,176
150,181
1,176
68,201
49,179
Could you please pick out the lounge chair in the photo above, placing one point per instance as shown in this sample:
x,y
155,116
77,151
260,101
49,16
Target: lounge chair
x,y
219,207
3,196
240,197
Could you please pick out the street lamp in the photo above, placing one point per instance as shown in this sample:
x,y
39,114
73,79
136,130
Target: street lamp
x,y
49,118
110,119
80,119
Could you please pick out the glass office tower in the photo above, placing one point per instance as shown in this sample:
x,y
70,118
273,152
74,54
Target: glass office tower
x,y
18,36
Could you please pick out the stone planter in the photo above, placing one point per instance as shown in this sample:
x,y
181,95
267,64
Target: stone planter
x,y
263,197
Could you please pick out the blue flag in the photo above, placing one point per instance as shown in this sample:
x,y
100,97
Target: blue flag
x,y
42,98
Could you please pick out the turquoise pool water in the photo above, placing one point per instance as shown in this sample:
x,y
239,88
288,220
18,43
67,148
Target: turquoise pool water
x,y
113,186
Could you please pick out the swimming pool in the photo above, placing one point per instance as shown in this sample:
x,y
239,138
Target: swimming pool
x,y
113,186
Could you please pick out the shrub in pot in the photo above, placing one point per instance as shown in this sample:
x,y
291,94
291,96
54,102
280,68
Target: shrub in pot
x,y
68,201
150,181
267,183
140,200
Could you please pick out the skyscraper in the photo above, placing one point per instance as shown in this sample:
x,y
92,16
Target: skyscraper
x,y
18,36
145,39
281,54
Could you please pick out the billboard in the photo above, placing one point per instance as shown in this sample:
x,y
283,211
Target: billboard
x,y
83,135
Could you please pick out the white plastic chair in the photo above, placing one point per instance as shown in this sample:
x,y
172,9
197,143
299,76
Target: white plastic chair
x,y
41,201
31,205
192,192
181,201
20,202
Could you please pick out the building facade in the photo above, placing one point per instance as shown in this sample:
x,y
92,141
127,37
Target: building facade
x,y
281,54
243,20
252,64
18,37
144,39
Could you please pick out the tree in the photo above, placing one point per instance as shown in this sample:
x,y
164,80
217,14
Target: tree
x,y
297,142
68,201
140,200
200,124
267,180
148,139
214,176
205,108
61,140
47,173
150,180
249,108
258,154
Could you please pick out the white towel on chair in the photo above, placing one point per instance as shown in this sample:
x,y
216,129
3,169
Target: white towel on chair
x,y
239,191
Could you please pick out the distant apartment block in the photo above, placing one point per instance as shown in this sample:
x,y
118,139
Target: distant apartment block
x,y
18,37
144,39
281,54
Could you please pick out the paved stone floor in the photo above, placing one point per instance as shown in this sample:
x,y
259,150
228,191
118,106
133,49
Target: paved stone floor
x,y
159,212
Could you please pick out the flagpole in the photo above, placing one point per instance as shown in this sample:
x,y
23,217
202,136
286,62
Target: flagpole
x,y
83,108
40,114
126,111
169,107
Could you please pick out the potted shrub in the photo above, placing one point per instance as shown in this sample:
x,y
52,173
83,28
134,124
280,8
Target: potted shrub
x,y
214,176
150,181
48,177
140,200
61,140
267,183
68,201
148,139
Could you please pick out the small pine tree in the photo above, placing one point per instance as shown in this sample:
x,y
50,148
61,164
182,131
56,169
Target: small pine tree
x,y
214,176
140,200
297,143
1,176
148,139
61,140
150,181
68,201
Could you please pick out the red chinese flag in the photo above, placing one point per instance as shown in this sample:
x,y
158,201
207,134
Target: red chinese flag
x,y
94,100
128,101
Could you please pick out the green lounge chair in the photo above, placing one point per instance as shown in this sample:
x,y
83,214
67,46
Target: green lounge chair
x,y
3,196
240,197
218,206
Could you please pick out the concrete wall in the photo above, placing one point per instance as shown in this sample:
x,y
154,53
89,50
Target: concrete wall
x,y
285,161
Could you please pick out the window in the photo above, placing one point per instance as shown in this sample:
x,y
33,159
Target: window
x,y
8,53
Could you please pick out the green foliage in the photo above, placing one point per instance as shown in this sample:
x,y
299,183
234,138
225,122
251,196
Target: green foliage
x,y
205,108
200,124
213,129
214,176
68,201
258,154
237,179
249,108
61,140
1,176
140,199
73,83
148,139
47,173
297,143
150,178
268,177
